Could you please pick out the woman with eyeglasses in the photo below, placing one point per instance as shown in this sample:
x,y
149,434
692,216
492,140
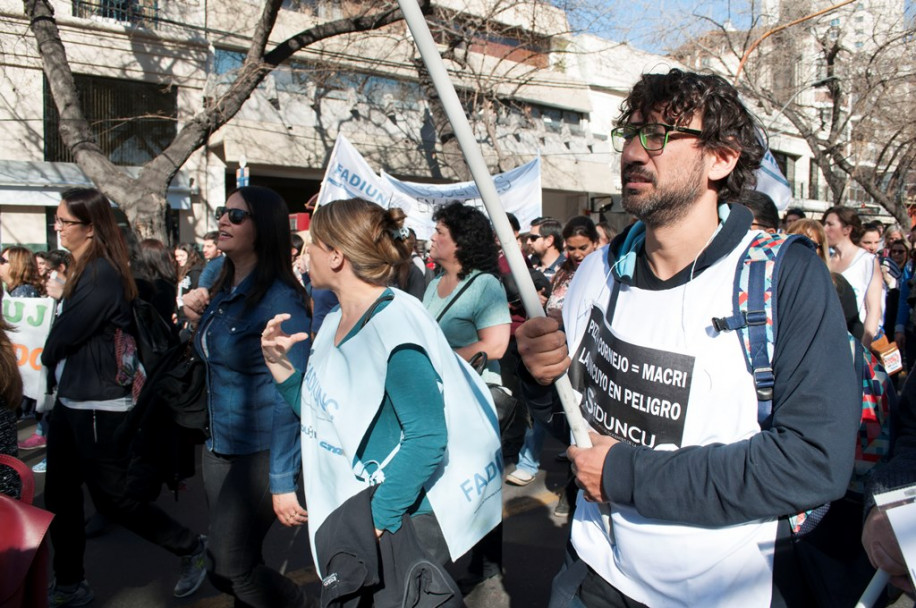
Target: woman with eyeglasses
x,y
251,462
843,230
19,273
86,442
898,309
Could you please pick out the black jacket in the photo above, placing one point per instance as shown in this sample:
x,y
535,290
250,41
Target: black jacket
x,y
83,334
394,570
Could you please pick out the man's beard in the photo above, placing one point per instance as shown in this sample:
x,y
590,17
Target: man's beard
x,y
667,205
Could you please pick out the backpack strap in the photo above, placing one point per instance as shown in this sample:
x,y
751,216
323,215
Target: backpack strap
x,y
755,314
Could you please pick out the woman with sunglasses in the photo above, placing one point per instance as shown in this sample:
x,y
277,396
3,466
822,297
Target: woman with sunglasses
x,y
251,464
19,273
814,230
86,443
899,252
386,405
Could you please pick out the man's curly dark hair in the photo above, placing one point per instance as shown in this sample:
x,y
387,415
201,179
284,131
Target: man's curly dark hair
x,y
727,123
470,229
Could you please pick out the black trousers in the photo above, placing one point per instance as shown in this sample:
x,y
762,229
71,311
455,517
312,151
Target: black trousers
x,y
85,447
241,513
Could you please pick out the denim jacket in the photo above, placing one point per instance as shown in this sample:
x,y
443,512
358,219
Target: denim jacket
x,y
247,413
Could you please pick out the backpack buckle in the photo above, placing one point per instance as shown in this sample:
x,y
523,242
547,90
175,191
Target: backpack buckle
x,y
756,317
764,381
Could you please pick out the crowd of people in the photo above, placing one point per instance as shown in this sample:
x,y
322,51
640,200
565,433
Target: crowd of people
x,y
354,367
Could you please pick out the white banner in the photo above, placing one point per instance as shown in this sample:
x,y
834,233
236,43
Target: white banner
x,y
348,176
31,318
519,192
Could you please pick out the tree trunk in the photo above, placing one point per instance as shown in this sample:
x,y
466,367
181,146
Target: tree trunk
x,y
143,199
451,155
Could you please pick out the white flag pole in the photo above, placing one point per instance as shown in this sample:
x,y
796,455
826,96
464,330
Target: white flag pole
x,y
456,116
874,589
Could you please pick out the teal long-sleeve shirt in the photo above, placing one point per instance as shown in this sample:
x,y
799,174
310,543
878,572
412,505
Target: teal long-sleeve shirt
x,y
412,414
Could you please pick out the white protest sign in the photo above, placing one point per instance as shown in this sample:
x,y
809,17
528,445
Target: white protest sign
x,y
31,318
348,175
519,192
900,505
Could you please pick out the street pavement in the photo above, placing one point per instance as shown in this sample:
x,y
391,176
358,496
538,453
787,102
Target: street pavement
x,y
127,572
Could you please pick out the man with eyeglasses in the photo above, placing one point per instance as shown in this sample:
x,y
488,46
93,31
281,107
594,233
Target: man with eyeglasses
x,y
697,490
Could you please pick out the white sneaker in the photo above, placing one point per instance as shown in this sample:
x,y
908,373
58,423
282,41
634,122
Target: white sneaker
x,y
519,477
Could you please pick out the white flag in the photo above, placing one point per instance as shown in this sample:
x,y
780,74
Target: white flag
x,y
771,182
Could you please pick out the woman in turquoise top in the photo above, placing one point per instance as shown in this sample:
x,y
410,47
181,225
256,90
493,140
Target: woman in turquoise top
x,y
476,315
356,247
471,307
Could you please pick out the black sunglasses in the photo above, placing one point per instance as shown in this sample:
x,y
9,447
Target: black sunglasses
x,y
3,260
236,216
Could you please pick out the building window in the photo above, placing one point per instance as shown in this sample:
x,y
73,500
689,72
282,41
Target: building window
x,y
136,12
786,165
323,9
490,38
131,121
814,176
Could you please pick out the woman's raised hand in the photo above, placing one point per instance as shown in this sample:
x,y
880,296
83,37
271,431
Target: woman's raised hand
x,y
275,344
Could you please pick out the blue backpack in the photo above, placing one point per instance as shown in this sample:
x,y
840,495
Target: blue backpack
x,y
756,322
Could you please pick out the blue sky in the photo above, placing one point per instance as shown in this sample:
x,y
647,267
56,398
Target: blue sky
x,y
658,25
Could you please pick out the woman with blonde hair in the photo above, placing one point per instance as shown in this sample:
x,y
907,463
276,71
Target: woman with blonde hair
x,y
19,273
815,232
385,404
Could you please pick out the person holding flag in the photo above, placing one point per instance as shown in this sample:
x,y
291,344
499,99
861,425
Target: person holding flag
x,y
697,485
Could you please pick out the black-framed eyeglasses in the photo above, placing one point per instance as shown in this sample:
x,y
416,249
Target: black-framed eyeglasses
x,y
236,216
59,221
652,136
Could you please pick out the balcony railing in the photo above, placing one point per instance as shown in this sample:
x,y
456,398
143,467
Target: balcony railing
x,y
144,13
